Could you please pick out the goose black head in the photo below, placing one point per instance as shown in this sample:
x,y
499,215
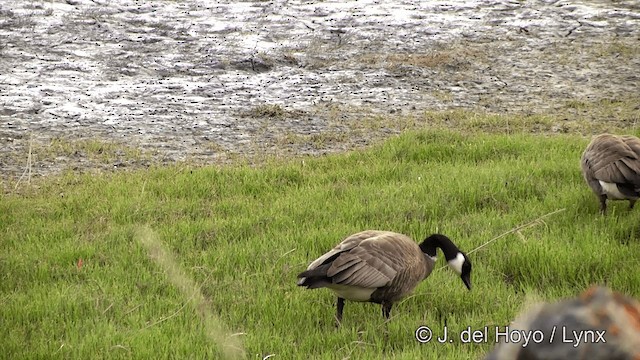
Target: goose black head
x,y
462,266
456,259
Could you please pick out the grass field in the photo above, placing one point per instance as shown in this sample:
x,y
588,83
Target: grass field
x,y
201,262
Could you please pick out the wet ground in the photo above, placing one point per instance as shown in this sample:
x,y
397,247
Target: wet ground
x,y
204,80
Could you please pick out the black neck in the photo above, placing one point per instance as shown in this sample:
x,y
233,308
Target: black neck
x,y
429,245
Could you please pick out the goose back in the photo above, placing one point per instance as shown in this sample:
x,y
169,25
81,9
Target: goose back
x,y
389,264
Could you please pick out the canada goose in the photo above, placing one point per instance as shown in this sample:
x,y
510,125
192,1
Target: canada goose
x,y
380,267
611,167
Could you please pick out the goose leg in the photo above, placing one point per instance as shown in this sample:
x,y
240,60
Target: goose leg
x,y
603,204
339,308
386,310
631,203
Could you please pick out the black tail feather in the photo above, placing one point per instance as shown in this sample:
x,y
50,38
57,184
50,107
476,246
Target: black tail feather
x,y
314,278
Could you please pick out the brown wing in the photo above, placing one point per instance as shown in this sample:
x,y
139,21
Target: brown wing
x,y
613,159
632,142
376,261
345,245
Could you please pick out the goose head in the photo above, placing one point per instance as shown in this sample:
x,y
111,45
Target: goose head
x,y
456,259
462,266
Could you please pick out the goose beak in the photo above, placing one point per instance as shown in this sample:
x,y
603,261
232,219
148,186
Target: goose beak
x,y
466,279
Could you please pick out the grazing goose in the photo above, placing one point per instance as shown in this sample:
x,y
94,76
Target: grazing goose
x,y
611,167
380,267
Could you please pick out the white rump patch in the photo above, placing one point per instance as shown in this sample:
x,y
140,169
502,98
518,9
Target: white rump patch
x,y
353,293
456,264
611,190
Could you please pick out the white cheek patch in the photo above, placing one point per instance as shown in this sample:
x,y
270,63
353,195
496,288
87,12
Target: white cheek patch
x,y
456,264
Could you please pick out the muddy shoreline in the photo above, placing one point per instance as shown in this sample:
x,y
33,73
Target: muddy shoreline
x,y
211,81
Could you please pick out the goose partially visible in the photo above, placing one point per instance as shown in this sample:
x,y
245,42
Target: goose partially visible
x,y
381,267
611,166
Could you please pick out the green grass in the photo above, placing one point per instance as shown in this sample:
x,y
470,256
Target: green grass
x,y
193,262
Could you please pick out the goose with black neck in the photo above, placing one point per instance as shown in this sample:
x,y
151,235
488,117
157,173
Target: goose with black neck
x,y
381,267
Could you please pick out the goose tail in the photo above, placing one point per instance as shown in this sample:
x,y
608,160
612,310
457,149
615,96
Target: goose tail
x,y
312,279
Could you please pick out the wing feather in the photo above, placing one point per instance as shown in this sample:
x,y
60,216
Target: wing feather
x,y
344,246
378,261
613,159
370,259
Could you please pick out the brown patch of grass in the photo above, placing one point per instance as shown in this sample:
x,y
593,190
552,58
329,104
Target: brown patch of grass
x,y
317,141
454,56
271,111
96,149
64,154
618,48
428,60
